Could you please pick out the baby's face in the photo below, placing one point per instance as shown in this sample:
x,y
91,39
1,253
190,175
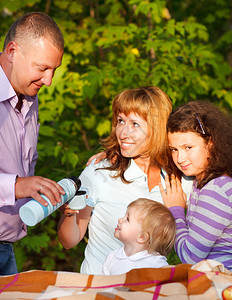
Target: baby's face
x,y
129,227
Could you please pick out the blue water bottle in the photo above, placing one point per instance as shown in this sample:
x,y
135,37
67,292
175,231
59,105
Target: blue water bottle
x,y
33,212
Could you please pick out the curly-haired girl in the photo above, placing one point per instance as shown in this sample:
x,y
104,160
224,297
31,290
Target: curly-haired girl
x,y
200,143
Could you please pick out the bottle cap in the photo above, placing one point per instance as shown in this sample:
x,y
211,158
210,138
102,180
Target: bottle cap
x,y
76,182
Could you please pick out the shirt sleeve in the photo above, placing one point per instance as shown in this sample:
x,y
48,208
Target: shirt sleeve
x,y
7,189
205,223
91,183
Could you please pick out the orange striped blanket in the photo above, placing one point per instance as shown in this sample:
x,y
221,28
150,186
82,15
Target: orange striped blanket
x,y
205,280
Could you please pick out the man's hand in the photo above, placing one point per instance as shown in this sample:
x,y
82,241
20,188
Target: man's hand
x,y
36,185
174,195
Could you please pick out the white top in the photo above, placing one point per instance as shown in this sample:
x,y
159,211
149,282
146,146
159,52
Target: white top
x,y
109,198
117,262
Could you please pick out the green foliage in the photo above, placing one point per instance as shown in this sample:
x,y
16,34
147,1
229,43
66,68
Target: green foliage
x,y
184,47
173,259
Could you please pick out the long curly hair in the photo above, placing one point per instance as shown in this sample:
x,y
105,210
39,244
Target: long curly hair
x,y
154,106
212,124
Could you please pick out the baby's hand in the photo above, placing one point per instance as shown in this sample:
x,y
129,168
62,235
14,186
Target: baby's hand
x,y
174,195
67,211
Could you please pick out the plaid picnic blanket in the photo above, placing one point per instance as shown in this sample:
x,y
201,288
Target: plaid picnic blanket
x,y
205,280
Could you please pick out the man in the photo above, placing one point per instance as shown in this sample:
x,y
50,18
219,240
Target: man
x,y
32,51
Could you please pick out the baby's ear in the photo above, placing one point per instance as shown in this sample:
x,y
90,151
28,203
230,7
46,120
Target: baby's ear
x,y
143,238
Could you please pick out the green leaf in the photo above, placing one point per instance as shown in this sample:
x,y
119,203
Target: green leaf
x,y
103,127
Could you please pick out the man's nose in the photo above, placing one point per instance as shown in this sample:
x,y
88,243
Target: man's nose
x,y
47,78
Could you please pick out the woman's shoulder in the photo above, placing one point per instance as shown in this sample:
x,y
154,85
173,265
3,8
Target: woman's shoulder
x,y
96,172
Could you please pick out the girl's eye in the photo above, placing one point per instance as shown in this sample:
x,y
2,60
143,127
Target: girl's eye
x,y
188,147
135,124
172,149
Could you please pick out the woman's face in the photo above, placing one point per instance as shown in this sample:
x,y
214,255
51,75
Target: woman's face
x,y
133,134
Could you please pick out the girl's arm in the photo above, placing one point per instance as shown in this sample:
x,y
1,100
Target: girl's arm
x,y
207,220
209,213
71,229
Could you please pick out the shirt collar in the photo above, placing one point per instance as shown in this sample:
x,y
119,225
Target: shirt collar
x,y
121,254
133,172
8,93
6,89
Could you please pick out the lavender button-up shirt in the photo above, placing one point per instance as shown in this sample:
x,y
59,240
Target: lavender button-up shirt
x,y
18,155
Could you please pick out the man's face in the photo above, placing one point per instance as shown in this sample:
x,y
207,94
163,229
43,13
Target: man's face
x,y
34,66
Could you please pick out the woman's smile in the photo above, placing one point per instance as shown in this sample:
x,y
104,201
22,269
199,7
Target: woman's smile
x,y
132,133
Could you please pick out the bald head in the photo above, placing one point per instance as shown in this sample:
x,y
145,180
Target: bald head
x,y
33,26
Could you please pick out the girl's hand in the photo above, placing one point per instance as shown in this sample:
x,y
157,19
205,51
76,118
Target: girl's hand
x,y
174,195
99,156
65,210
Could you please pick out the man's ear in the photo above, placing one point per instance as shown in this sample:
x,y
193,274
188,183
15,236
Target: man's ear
x,y
10,50
143,238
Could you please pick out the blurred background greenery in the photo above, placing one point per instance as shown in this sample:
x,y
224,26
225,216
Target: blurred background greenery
x,y
182,46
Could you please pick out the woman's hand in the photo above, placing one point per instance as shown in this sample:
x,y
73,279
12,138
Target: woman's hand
x,y
67,211
174,195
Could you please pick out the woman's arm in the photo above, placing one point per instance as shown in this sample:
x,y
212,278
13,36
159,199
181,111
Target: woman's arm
x,y
71,229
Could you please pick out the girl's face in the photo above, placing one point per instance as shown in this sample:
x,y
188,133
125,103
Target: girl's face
x,y
129,229
189,152
133,134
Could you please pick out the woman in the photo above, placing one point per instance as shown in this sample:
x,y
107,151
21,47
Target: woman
x,y
136,162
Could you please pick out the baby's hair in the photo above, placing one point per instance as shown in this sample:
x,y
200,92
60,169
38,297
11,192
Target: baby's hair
x,y
158,223
212,124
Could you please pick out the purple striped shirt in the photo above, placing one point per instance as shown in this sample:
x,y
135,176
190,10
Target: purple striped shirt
x,y
18,155
206,231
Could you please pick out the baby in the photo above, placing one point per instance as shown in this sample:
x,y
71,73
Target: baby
x,y
148,233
